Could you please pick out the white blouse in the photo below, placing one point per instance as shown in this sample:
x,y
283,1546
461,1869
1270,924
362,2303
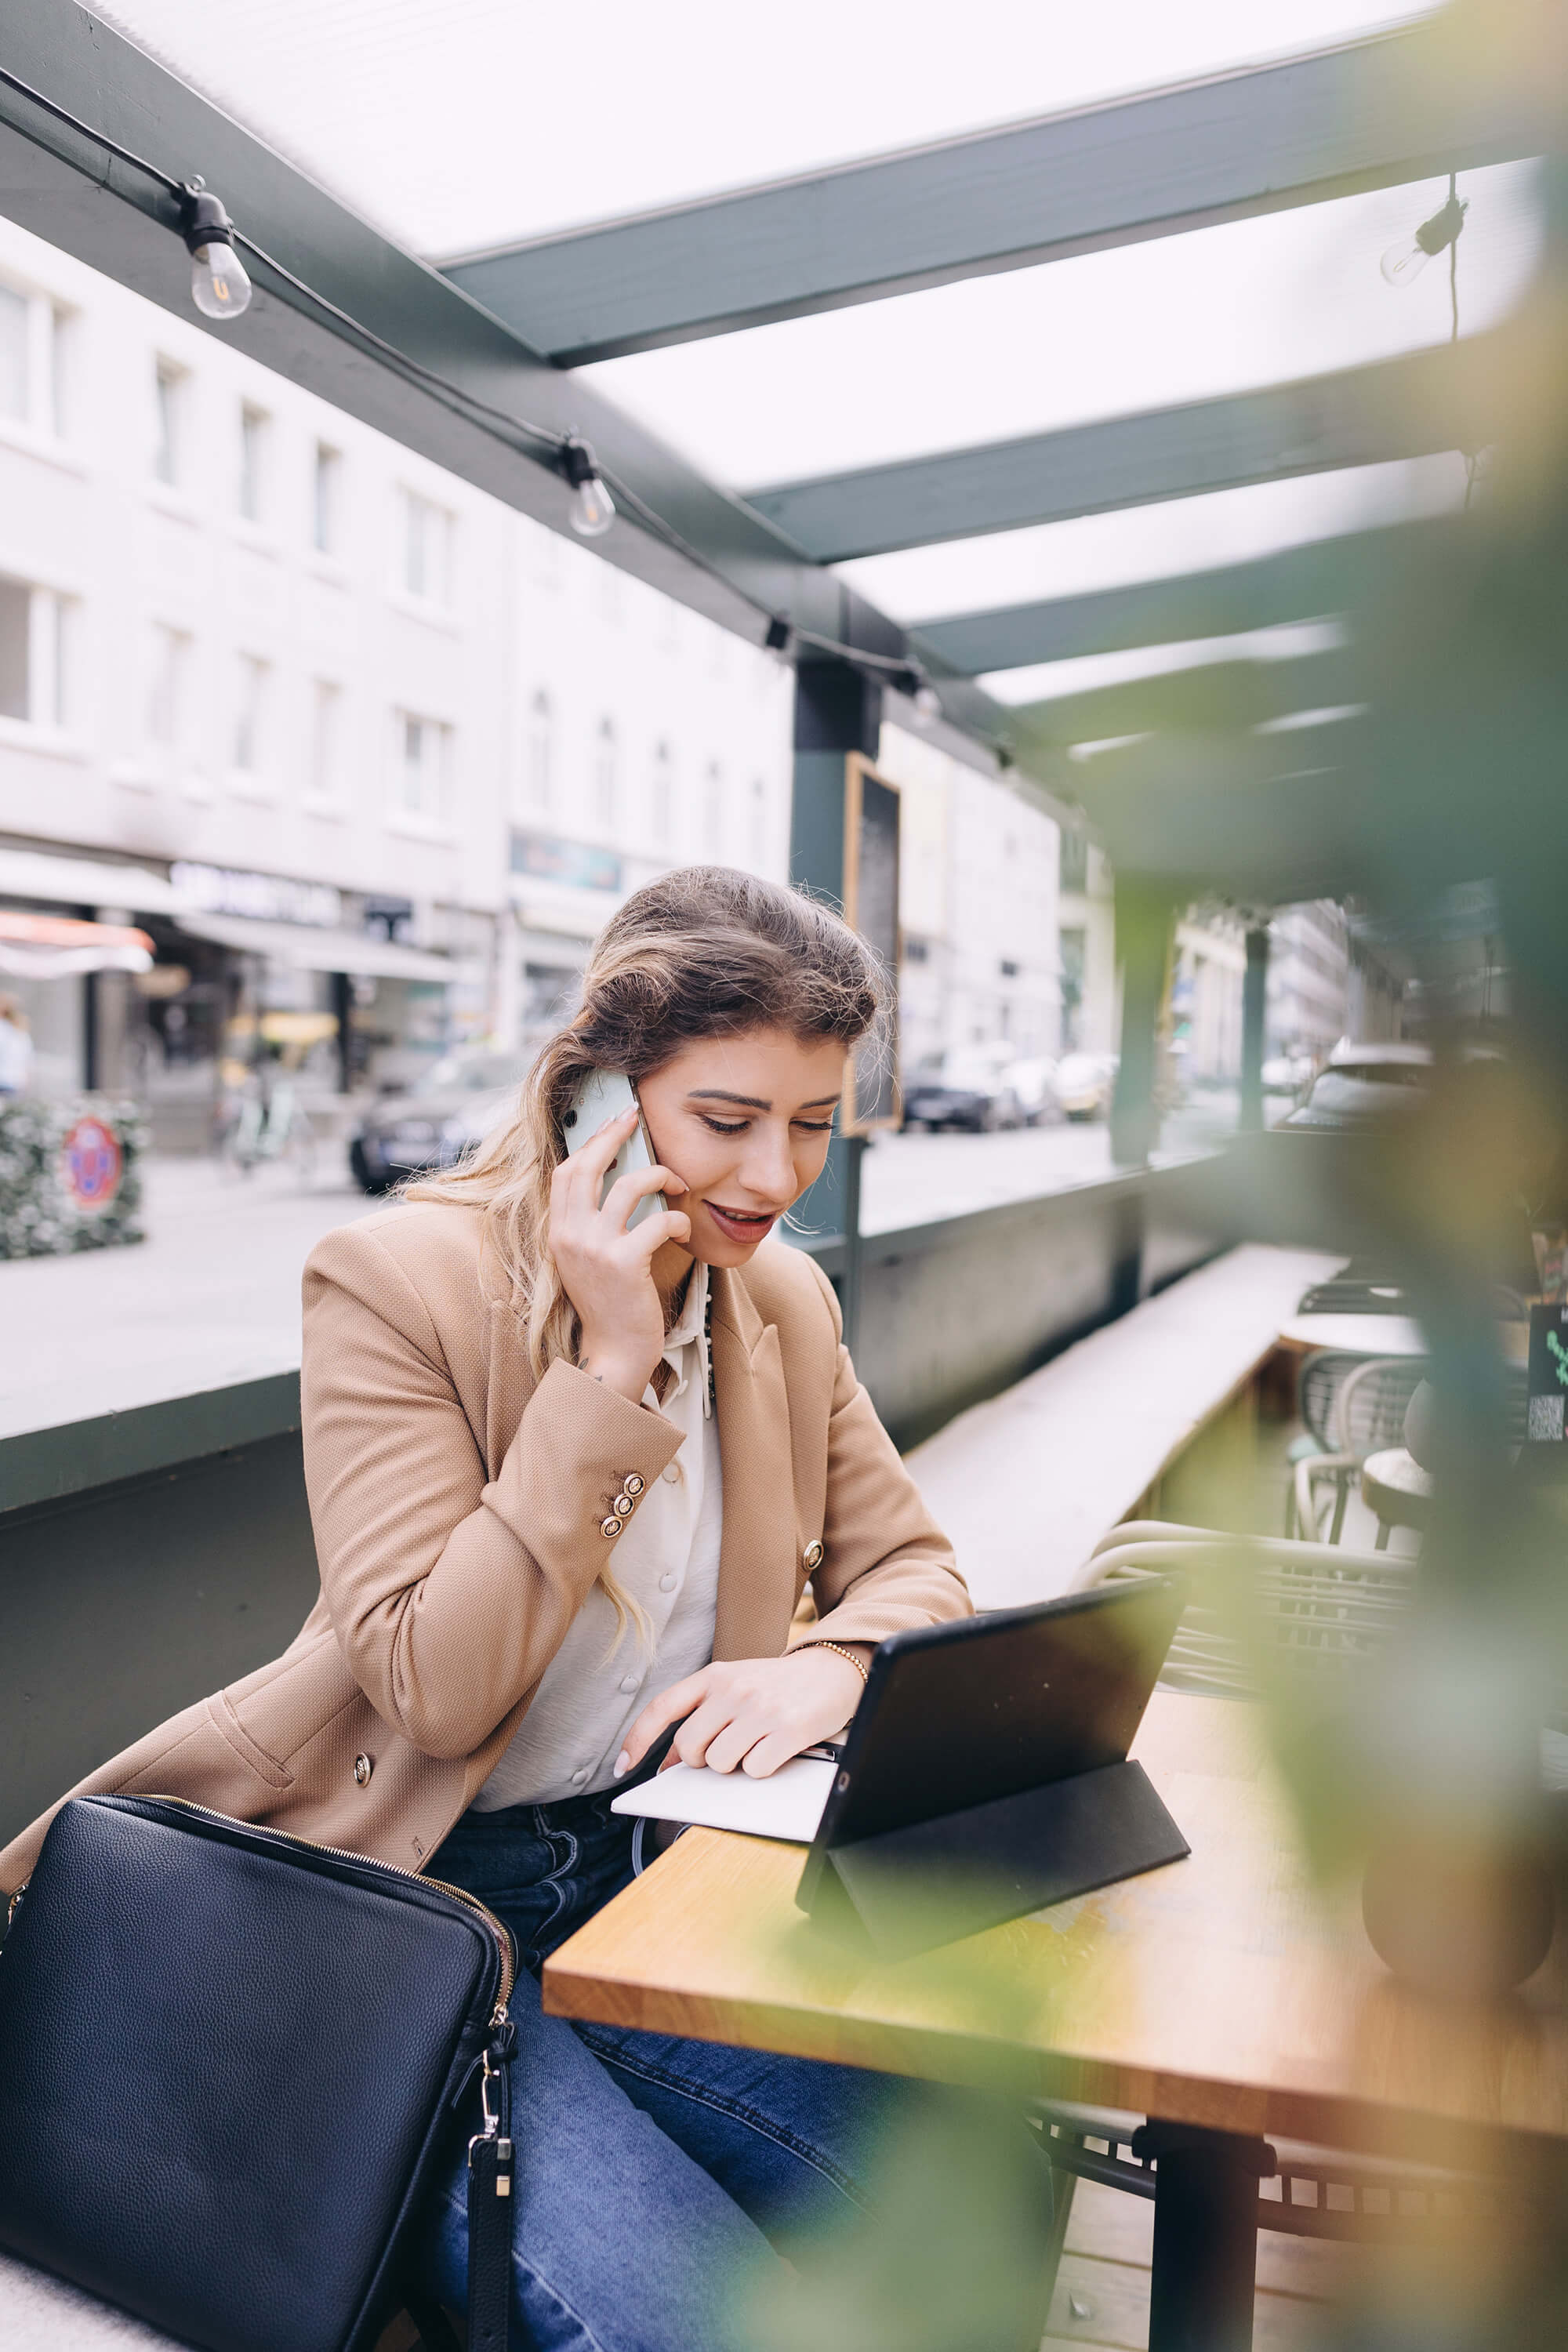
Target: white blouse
x,y
594,1687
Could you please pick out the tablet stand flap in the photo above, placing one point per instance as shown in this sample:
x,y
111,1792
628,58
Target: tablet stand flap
x,y
908,1889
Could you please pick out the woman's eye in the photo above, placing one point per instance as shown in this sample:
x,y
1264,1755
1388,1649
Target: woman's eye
x,y
718,1127
816,1125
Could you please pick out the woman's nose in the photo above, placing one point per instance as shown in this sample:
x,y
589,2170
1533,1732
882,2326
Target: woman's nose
x,y
768,1169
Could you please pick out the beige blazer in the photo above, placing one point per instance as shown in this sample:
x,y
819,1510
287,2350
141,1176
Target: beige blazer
x,y
460,1514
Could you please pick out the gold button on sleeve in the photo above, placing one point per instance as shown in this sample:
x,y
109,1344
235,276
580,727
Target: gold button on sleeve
x,y
623,1506
633,1483
364,1767
811,1558
611,1527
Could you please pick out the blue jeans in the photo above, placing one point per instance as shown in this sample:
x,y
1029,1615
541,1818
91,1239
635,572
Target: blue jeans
x,y
655,2175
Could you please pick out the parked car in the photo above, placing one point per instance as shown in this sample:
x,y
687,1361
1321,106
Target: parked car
x,y
1084,1083
1287,1073
966,1089
437,1122
1035,1084
1364,1083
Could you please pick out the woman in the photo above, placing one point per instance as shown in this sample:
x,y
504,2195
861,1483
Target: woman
x,y
568,1483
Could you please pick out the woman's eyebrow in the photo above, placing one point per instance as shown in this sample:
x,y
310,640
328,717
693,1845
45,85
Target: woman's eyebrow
x,y
752,1102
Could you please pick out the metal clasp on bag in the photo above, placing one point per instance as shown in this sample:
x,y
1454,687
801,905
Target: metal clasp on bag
x,y
490,2112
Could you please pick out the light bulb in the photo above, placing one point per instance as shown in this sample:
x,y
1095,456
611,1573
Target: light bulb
x,y
219,285
1406,259
220,288
928,703
593,508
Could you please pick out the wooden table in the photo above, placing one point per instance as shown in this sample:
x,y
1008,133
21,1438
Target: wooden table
x,y
1218,1993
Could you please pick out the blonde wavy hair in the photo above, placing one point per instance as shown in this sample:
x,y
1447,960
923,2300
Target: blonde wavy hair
x,y
703,952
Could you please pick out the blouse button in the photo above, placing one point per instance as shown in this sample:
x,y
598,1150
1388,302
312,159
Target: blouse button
x,y
579,1775
628,1682
671,1473
668,1580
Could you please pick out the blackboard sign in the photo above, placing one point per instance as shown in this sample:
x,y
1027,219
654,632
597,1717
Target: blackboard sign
x,y
871,905
1548,1373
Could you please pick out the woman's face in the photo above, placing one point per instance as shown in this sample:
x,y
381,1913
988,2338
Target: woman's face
x,y
744,1124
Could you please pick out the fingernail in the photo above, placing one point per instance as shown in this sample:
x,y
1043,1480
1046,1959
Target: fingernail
x,y
621,1767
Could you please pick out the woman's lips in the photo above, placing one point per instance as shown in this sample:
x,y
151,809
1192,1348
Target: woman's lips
x,y
738,1225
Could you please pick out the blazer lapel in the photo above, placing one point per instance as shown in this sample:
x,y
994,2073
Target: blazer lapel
x,y
757,1552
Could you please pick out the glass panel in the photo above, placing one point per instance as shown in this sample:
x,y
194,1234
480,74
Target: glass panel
x,y
13,325
460,141
1042,681
252,459
324,506
1295,293
168,405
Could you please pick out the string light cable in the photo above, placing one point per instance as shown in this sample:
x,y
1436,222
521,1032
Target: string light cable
x,y
221,288
1408,257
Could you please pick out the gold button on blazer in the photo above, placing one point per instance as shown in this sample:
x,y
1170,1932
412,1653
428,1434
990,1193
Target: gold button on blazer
x,y
460,1512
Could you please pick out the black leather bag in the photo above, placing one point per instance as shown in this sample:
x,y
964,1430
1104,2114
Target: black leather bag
x,y
229,2060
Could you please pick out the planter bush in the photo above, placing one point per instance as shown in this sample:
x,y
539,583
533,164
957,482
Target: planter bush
x,y
70,1175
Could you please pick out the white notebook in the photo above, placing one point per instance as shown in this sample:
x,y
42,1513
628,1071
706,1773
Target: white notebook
x,y
787,1804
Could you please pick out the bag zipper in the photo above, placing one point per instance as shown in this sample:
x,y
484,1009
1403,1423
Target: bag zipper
x,y
498,2015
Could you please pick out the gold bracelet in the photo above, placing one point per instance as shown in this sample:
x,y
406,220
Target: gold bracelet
x,y
843,1652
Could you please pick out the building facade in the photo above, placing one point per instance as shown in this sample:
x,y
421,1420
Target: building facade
x,y
369,756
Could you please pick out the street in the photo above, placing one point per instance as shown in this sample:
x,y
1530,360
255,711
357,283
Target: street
x,y
213,1295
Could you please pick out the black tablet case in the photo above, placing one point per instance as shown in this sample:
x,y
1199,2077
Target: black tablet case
x,y
908,1889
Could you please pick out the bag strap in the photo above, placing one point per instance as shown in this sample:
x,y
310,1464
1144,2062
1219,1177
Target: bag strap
x,y
491,2200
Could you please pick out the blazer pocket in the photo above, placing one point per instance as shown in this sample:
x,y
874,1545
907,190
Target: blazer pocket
x,y
227,1724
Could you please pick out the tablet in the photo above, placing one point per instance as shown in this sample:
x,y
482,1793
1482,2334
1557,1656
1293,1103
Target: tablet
x,y
959,1715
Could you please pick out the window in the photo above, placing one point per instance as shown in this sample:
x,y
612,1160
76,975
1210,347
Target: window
x,y
426,550
1074,860
15,333
713,810
167,690
759,823
33,338
325,491
539,758
422,758
326,741
250,716
253,425
661,796
168,422
35,631
605,779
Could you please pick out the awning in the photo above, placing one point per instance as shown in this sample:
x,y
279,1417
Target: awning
x,y
308,949
84,882
54,947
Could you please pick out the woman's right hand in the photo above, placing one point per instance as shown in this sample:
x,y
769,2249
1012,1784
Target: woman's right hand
x,y
606,1271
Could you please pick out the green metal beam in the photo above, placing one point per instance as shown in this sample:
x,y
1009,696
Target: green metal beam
x,y
1407,407
1299,583
1365,115
1211,694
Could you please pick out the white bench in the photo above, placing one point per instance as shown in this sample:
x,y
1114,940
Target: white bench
x,y
1026,1484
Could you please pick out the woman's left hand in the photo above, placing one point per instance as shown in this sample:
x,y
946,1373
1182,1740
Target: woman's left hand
x,y
753,1712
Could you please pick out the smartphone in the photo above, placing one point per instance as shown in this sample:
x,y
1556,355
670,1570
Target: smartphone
x,y
603,1095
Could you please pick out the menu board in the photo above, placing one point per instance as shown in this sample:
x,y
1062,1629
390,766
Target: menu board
x,y
871,905
1548,1373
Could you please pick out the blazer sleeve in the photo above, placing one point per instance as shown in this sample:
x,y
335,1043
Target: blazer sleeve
x,y
449,1591
886,1564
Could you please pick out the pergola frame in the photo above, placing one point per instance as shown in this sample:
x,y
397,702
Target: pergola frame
x,y
1367,114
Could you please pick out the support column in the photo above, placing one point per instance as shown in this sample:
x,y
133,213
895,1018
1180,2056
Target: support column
x,y
1203,2278
1254,1017
1144,918
836,710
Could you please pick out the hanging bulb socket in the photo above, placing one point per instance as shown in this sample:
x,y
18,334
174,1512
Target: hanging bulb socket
x,y
912,680
780,637
1408,258
220,287
593,508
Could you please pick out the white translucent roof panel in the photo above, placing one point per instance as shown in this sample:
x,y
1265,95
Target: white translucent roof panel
x,y
1108,550
1144,326
456,123
1047,681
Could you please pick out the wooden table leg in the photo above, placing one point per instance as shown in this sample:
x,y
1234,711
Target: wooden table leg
x,y
1206,2236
